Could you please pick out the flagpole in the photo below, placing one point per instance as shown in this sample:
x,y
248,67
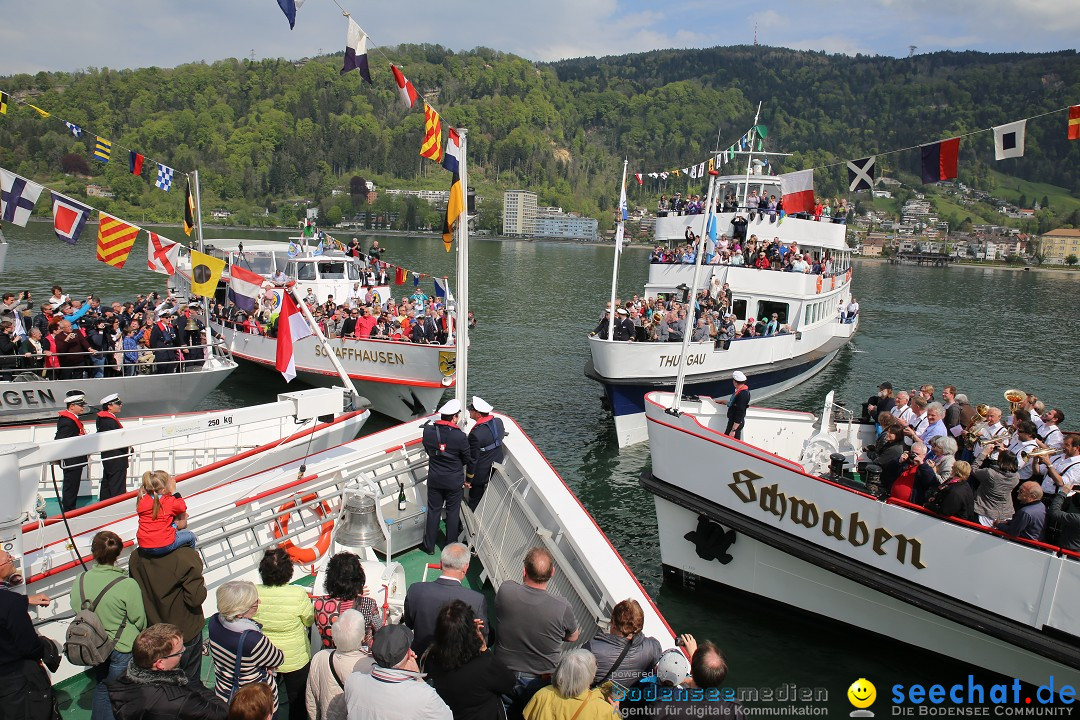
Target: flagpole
x,y
691,325
461,364
618,253
291,289
750,155
198,212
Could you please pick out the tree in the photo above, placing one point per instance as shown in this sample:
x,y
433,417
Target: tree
x,y
74,164
1045,201
358,189
1022,201
1071,260
333,215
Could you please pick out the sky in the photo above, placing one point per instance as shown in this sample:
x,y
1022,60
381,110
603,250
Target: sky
x,y
65,35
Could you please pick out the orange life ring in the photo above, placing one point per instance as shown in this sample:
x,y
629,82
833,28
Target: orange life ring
x,y
819,283
302,555
832,280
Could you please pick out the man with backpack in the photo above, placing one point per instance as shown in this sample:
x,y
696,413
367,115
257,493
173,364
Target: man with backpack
x,y
110,615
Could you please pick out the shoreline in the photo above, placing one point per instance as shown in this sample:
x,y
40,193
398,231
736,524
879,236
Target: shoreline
x,y
1051,269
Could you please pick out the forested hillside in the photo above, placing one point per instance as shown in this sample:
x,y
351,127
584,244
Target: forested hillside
x,y
266,132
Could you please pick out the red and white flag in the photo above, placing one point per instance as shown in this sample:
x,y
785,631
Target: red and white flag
x,y
292,327
245,287
798,191
161,254
69,218
405,88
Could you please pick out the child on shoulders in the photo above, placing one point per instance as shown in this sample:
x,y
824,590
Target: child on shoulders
x,y
162,515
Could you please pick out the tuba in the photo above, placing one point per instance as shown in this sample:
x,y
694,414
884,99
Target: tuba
x,y
1015,398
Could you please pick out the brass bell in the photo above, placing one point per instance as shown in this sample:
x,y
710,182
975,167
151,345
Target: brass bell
x,y
358,526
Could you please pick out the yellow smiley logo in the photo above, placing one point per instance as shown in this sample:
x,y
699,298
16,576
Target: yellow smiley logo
x,y
862,693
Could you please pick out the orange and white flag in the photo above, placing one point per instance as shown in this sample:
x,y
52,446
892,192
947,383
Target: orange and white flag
x,y
114,240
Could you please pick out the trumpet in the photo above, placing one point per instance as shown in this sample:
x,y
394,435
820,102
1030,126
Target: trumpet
x,y
1004,436
1040,453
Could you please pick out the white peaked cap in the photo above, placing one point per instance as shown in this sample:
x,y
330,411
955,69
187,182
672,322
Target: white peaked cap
x,y
481,405
451,407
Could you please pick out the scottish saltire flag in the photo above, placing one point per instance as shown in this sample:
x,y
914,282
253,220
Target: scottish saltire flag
x,y
75,129
102,150
69,218
860,174
1009,140
405,88
356,51
440,287
17,197
164,177
135,161
431,147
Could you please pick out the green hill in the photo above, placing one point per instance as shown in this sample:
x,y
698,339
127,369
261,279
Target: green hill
x,y
261,132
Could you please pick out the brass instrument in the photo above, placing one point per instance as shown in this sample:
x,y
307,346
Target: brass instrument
x,y
971,433
1004,436
983,409
1015,397
1040,453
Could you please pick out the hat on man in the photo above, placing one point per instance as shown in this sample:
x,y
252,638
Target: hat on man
x,y
391,644
885,386
672,667
738,376
110,399
450,407
480,405
622,311
75,397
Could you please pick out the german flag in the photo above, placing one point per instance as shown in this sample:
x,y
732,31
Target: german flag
x,y
114,240
189,210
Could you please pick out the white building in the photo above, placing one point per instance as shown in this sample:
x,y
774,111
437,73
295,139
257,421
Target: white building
x,y
566,226
519,213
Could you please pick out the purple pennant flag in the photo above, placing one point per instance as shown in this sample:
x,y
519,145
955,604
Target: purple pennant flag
x,y
289,8
356,51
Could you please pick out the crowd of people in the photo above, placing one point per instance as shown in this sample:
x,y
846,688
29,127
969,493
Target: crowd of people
x,y
69,338
1017,472
442,661
752,253
757,206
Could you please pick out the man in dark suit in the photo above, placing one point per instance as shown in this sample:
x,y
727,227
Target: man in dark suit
x,y
68,425
424,600
448,453
114,463
163,340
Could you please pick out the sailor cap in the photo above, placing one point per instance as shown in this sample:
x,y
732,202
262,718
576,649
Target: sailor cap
x,y
75,396
451,407
738,376
109,399
480,405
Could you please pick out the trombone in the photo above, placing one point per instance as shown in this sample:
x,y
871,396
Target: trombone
x,y
1004,435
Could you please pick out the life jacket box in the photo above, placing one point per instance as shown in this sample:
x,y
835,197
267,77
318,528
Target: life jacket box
x,y
406,526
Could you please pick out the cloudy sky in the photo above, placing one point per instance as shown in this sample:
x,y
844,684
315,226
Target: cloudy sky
x,y
74,34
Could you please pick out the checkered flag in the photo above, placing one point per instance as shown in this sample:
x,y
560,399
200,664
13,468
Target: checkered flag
x,y
164,177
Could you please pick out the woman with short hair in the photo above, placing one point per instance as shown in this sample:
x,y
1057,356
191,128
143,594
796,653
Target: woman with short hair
x,y
119,608
285,614
954,497
465,673
993,498
242,653
344,590
569,695
623,653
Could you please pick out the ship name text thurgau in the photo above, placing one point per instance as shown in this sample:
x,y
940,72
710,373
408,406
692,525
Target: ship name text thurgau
x,y
803,512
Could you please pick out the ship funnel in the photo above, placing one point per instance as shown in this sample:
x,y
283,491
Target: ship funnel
x,y
359,524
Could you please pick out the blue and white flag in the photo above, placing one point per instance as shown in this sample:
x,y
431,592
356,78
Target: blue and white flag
x,y
75,129
17,197
294,249
623,215
415,280
164,177
319,250
440,287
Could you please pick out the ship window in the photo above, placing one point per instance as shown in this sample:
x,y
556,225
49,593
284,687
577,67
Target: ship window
x,y
765,309
808,309
305,271
332,270
354,271
739,308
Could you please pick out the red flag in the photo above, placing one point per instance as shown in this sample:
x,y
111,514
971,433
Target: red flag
x,y
405,88
637,176
115,238
938,161
399,276
798,189
431,147
135,161
1074,122
292,327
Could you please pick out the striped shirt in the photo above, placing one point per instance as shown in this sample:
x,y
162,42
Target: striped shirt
x,y
259,657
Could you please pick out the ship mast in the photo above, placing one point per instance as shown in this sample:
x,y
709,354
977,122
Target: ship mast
x,y
619,232
461,363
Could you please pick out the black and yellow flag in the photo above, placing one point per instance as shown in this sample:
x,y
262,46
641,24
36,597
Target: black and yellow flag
x,y
205,273
189,210
455,204
3,102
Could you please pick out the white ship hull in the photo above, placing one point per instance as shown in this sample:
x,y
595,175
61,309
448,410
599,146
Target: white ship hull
x,y
746,515
401,380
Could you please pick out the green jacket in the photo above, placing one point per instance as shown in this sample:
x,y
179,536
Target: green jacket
x,y
124,598
285,614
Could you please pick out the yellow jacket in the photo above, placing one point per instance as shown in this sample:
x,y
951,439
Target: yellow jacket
x,y
285,614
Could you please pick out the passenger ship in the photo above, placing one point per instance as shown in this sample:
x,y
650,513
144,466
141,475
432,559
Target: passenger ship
x,y
786,514
401,380
807,304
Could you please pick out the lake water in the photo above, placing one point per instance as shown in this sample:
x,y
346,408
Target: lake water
x,y
983,330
